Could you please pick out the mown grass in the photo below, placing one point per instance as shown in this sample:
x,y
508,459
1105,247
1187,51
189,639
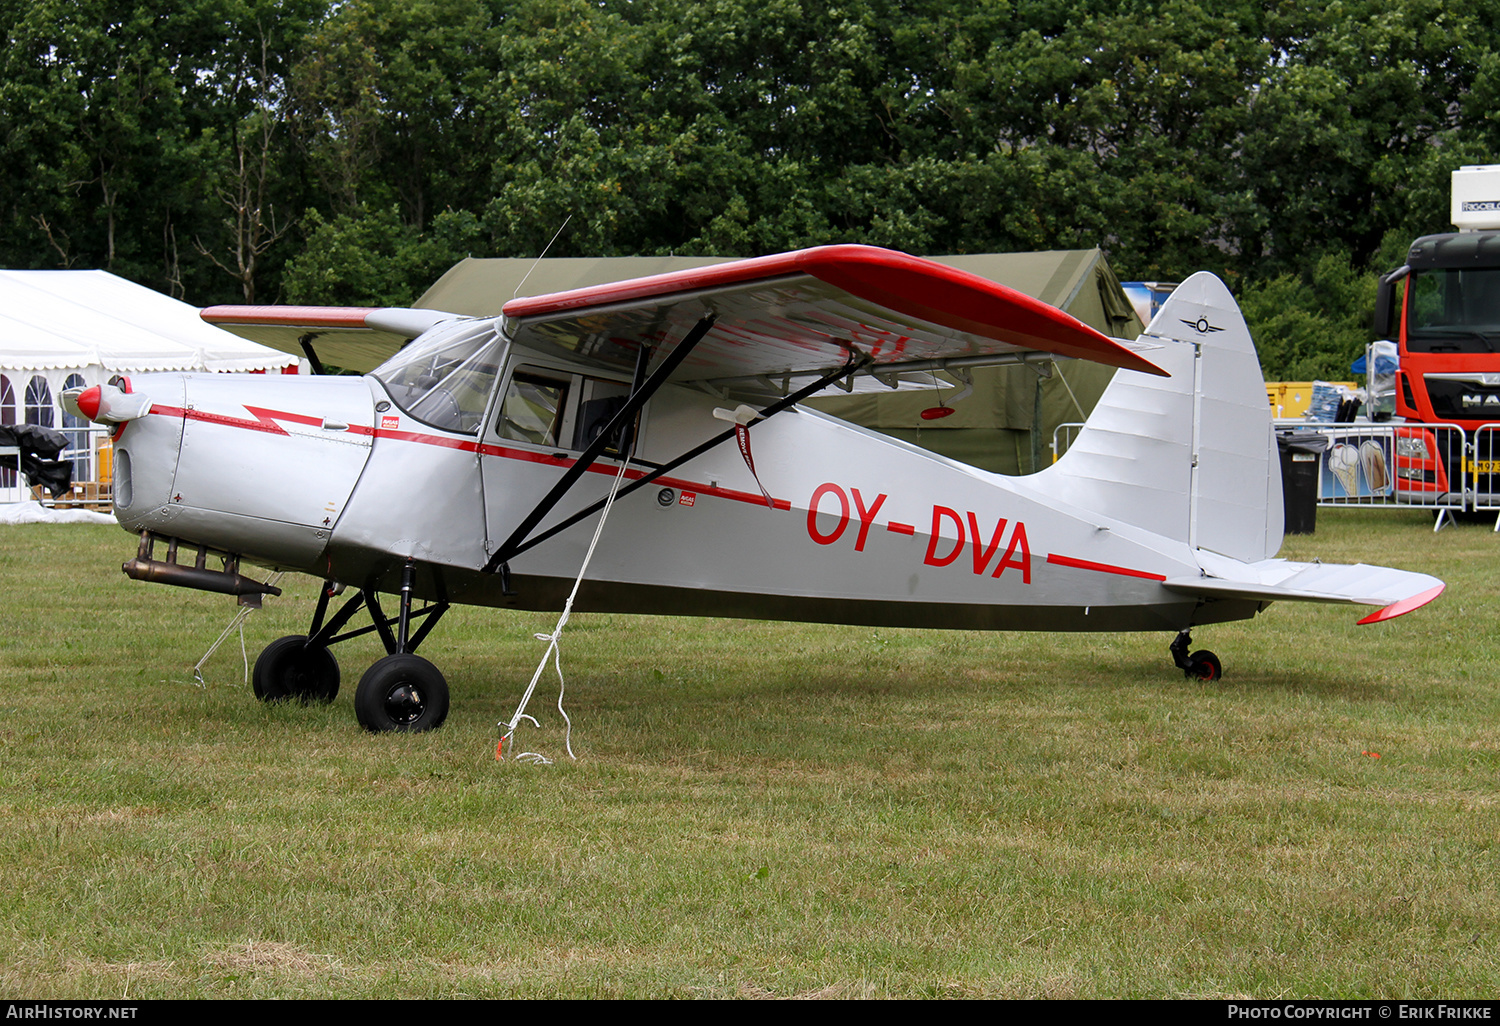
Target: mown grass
x,y
758,809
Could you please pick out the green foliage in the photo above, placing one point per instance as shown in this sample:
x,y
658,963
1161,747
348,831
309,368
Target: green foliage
x,y
1312,327
118,126
373,258
389,100
1343,135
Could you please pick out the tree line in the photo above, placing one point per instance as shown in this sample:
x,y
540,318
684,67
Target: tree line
x,y
348,152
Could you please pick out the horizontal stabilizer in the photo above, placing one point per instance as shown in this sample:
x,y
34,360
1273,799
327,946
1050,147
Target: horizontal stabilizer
x,y
1278,580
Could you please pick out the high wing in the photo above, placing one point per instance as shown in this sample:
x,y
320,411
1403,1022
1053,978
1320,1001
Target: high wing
x,y
355,338
773,317
810,311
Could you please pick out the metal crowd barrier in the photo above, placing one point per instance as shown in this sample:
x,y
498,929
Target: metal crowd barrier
x,y
1063,436
1484,471
1394,466
10,481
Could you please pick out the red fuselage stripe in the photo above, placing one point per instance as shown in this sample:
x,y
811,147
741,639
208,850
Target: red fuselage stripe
x,y
265,420
1103,568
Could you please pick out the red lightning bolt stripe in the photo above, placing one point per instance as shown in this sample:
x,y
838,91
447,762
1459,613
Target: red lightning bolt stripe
x,y
264,420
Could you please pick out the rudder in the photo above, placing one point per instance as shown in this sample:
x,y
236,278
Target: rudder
x,y
1193,456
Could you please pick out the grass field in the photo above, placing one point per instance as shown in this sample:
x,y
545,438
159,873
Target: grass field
x,y
758,809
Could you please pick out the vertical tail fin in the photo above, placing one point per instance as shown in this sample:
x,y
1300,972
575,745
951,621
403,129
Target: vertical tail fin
x,y
1193,456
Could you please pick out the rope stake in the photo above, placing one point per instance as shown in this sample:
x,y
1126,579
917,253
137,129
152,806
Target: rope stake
x,y
507,739
239,621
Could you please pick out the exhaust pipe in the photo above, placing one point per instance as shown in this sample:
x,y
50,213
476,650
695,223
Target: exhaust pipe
x,y
199,576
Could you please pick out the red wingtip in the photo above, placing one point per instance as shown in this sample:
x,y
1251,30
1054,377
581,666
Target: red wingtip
x,y
1405,605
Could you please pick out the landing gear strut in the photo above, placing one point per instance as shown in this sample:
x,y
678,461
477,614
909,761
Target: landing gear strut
x,y
401,691
1201,665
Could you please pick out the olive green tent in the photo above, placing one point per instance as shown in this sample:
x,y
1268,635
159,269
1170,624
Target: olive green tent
x,y
992,428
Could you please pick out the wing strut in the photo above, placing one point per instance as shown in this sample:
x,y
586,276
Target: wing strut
x,y
306,342
639,395
856,361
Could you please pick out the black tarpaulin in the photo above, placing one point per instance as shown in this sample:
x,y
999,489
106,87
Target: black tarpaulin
x,y
38,460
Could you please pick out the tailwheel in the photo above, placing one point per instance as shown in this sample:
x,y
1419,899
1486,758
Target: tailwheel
x,y
290,668
401,692
1201,665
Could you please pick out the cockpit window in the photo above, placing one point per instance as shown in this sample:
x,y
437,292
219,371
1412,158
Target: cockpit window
x,y
444,378
562,410
532,410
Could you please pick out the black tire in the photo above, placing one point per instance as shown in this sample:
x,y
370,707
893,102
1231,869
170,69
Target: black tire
x,y
401,692
288,668
1204,665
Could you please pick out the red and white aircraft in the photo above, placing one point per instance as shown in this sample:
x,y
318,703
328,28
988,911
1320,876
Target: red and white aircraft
x,y
471,466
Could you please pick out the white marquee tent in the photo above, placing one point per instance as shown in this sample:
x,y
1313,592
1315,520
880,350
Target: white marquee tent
x,y
64,329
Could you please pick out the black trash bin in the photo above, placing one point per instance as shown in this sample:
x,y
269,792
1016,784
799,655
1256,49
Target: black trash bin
x,y
1300,453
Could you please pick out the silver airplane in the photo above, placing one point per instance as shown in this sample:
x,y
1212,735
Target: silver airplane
x,y
472,466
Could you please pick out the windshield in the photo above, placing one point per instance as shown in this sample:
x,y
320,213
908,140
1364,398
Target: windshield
x,y
444,378
1453,310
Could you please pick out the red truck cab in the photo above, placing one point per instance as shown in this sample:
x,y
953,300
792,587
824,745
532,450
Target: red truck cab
x,y
1442,307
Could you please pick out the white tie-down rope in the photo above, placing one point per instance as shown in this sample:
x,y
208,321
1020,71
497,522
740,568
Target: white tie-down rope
x,y
238,621
552,651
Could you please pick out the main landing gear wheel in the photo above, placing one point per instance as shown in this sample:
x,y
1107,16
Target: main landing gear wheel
x,y
291,668
401,692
